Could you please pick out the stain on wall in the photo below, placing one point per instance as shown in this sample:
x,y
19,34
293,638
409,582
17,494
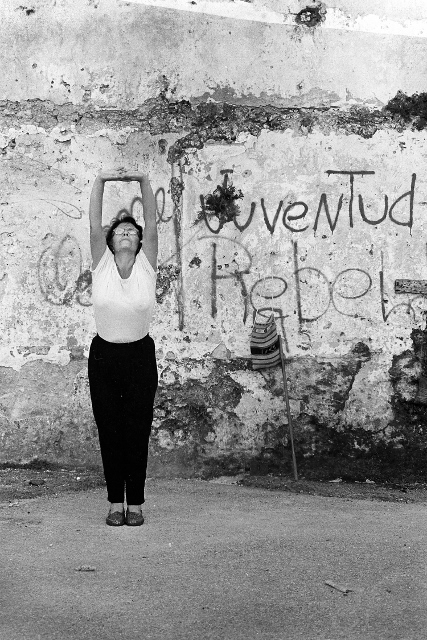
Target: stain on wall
x,y
411,109
311,16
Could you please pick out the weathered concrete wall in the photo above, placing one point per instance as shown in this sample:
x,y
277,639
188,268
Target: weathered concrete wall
x,y
299,108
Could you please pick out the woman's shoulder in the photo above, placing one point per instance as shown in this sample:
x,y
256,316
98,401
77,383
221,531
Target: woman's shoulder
x,y
144,262
106,259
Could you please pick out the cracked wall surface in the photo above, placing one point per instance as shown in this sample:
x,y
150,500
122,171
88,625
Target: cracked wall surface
x,y
320,123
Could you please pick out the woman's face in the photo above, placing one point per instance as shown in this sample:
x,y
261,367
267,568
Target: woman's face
x,y
125,237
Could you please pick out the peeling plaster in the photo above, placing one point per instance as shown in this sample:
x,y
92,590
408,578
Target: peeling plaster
x,y
369,401
15,358
206,121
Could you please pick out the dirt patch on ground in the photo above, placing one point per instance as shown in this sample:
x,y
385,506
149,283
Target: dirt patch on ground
x,y
25,482
18,483
390,492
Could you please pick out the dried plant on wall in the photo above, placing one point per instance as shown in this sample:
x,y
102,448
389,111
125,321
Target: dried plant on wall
x,y
221,204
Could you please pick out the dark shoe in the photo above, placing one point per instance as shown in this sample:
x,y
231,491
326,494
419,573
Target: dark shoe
x,y
134,519
116,519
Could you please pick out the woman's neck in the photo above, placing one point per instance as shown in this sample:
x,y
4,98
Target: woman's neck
x,y
124,261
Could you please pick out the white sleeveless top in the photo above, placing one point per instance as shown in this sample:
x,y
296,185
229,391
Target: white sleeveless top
x,y
123,307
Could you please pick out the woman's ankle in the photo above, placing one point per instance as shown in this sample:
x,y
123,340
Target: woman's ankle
x,y
116,506
134,508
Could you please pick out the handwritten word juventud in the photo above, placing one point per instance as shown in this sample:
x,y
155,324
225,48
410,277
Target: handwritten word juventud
x,y
296,214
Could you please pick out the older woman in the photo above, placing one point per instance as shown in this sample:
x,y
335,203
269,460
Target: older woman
x,y
122,361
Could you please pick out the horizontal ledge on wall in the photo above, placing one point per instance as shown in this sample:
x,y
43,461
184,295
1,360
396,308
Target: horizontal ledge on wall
x,y
410,286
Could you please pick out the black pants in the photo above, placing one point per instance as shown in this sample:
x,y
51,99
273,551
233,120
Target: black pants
x,y
123,384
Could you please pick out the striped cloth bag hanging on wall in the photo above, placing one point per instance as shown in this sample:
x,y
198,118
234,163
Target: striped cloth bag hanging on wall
x,y
264,344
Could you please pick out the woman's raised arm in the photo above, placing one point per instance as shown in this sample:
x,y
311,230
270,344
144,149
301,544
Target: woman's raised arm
x,y
150,239
97,236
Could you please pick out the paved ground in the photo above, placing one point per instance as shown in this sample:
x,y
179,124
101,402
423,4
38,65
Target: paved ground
x,y
213,561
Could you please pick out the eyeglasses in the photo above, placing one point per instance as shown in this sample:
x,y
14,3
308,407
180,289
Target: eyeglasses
x,y
121,232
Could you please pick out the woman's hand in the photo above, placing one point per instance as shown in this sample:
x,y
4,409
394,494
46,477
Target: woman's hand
x,y
122,175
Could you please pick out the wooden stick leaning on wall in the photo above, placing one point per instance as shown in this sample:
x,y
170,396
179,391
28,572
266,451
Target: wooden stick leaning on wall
x,y
288,409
